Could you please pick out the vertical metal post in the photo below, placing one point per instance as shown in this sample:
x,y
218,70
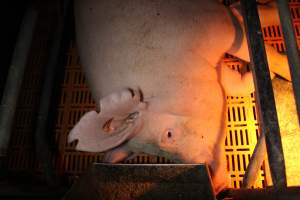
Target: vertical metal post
x,y
291,48
264,93
15,78
41,144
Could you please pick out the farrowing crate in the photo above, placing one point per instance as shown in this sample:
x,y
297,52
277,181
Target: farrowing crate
x,y
75,99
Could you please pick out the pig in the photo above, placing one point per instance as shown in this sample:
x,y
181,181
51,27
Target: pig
x,y
156,69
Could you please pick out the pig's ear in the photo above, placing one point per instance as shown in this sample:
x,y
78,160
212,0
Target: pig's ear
x,y
117,122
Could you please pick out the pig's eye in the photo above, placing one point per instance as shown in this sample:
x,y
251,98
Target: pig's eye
x,y
168,137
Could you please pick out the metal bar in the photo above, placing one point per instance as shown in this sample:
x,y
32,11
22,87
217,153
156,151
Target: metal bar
x,y
291,49
255,163
15,78
41,144
264,93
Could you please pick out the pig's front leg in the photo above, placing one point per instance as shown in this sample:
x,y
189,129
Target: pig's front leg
x,y
235,84
277,62
118,154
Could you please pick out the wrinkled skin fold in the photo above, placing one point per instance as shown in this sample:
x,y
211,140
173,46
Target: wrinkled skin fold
x,y
156,69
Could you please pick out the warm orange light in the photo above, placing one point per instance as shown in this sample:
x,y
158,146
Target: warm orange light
x,y
289,128
291,149
242,128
